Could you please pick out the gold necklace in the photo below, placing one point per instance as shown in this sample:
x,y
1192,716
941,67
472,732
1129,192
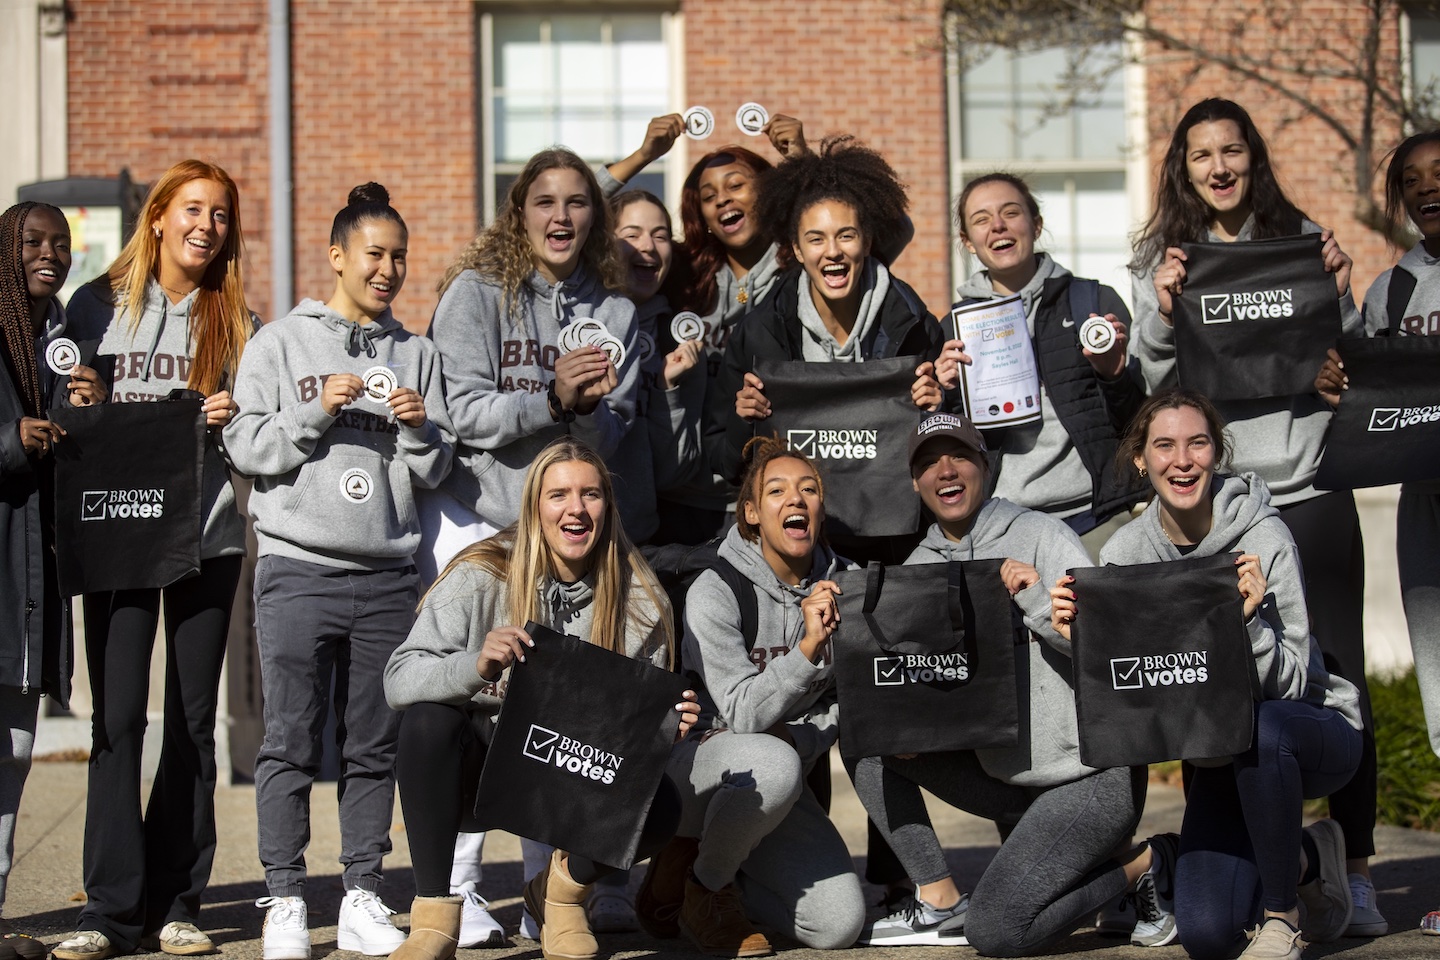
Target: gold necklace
x,y
742,296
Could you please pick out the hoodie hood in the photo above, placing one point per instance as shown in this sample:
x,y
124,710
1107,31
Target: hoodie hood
x,y
565,601
558,300
817,344
992,523
735,298
747,558
648,314
360,337
980,287
1238,504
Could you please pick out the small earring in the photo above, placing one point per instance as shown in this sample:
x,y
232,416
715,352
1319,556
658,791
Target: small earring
x,y
1143,474
157,233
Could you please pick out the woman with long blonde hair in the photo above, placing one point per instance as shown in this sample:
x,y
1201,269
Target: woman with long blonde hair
x,y
169,315
565,563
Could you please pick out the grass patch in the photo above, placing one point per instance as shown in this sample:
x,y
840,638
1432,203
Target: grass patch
x,y
1409,787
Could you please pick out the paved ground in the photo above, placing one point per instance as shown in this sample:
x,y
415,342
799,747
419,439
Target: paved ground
x,y
45,887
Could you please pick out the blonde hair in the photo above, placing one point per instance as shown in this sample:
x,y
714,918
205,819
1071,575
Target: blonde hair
x,y
220,322
519,557
502,253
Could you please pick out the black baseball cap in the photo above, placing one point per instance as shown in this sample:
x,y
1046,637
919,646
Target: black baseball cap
x,y
949,425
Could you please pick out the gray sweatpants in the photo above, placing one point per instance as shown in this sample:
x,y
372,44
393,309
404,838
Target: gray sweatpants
x,y
314,624
760,827
18,712
1053,871
1417,552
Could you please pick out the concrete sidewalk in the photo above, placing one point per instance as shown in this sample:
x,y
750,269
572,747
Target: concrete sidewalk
x,y
46,883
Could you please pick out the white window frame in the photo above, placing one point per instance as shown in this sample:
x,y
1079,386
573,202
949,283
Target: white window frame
x,y
672,29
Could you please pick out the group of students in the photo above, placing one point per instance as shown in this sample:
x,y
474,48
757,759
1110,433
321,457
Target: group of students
x,y
406,537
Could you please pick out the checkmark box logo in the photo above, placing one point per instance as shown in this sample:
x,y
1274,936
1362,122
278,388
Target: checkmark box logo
x,y
1384,419
1215,308
801,441
889,671
540,743
92,505
1125,673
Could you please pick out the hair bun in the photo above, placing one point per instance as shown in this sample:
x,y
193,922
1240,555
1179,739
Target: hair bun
x,y
370,192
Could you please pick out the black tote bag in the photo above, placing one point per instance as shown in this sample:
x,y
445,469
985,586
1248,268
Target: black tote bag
x,y
1163,669
1255,319
127,495
1387,428
925,659
854,420
580,748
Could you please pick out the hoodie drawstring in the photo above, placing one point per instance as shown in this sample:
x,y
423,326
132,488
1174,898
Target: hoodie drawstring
x,y
357,340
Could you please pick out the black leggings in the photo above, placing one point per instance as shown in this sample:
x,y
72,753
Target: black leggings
x,y
437,794
1327,532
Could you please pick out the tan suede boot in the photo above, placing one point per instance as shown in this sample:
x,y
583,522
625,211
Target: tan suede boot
x,y
715,922
434,929
558,905
657,908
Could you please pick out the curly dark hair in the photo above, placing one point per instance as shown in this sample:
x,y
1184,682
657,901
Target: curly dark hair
x,y
845,170
704,254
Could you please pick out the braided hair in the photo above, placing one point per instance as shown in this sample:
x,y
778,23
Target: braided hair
x,y
17,337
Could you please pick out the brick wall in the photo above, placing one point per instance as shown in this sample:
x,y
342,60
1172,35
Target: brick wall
x,y
864,67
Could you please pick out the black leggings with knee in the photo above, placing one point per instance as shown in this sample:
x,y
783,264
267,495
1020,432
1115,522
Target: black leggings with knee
x,y
441,753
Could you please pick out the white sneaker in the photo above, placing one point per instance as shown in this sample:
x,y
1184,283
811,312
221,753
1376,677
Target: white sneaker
x,y
477,927
529,929
286,934
365,925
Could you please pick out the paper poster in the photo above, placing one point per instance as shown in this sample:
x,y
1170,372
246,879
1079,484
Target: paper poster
x,y
1002,387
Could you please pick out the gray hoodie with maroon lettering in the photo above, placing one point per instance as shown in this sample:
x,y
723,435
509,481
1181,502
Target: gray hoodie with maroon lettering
x,y
498,364
150,361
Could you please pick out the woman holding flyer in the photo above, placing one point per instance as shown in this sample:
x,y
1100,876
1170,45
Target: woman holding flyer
x,y
1063,461
1217,184
566,564
1306,741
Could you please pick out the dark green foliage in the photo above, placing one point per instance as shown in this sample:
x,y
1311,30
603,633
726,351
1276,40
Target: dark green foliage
x,y
1409,789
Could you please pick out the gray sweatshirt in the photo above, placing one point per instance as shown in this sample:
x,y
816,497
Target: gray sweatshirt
x,y
497,367
1422,312
1287,658
752,691
149,363
1279,438
437,662
336,490
1048,752
1036,465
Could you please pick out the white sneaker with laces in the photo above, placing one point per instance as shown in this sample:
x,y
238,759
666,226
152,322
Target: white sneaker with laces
x,y
477,927
286,934
365,925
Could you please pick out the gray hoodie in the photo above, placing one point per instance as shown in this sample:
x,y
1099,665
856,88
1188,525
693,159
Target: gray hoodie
x,y
751,691
150,362
1036,465
1287,658
1422,312
1279,438
437,662
1048,752
498,366
336,490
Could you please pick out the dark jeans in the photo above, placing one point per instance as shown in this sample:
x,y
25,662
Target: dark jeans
x,y
1240,843
442,751
143,872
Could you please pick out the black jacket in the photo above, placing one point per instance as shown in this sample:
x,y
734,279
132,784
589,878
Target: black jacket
x,y
1094,412
773,332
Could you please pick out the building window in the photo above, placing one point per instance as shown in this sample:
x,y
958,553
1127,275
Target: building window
x,y
1080,163
1424,29
590,81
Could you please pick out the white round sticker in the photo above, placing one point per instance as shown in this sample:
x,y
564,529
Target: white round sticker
x,y
751,118
646,345
379,384
699,123
63,355
566,339
356,485
1097,335
687,326
613,348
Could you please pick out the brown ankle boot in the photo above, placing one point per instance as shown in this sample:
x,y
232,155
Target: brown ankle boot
x,y
558,905
715,922
434,929
657,908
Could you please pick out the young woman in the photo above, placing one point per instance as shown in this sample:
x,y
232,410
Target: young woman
x,y
832,210
35,655
170,315
1412,190
547,261
1307,720
754,842
1039,791
1217,184
336,448
1065,464
567,564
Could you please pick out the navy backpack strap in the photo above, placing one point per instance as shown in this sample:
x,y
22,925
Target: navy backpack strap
x,y
1402,285
744,591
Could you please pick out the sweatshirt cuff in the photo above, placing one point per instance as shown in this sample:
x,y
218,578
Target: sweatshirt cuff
x,y
535,412
795,670
421,438
311,419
